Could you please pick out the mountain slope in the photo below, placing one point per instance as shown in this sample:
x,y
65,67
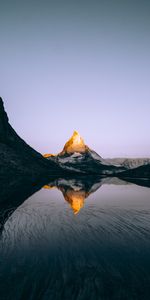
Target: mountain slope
x,y
18,161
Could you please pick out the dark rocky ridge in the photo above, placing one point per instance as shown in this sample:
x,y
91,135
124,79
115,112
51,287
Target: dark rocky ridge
x,y
19,163
89,163
139,172
140,175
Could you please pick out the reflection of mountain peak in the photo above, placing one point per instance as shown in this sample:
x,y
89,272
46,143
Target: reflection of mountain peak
x,y
76,190
74,198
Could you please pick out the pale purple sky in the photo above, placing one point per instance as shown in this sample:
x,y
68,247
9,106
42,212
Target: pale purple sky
x,y
78,65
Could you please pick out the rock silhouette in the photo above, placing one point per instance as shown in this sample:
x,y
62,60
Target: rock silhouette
x,y
19,162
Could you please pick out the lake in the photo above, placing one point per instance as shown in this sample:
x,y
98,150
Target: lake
x,y
78,240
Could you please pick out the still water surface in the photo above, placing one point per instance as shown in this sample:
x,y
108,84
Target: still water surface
x,y
78,242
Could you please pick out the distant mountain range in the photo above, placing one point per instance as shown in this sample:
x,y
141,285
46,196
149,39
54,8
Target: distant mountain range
x,y
79,157
129,163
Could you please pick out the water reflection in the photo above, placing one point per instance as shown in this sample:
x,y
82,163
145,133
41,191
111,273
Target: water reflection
x,y
47,253
76,190
74,196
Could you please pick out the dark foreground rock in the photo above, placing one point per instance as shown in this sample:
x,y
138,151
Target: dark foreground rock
x,y
19,163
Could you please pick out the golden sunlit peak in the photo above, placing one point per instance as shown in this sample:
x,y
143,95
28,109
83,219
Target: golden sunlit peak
x,y
48,155
77,138
75,144
76,133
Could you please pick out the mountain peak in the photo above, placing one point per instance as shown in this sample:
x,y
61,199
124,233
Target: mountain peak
x,y
75,144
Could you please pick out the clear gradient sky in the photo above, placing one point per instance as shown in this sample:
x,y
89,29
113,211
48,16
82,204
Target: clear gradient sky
x,y
81,65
